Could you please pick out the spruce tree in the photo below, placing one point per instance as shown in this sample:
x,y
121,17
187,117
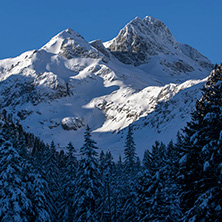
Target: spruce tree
x,y
171,188
130,157
87,201
107,167
129,177
49,169
119,192
157,192
15,205
40,195
68,184
25,195
150,199
200,166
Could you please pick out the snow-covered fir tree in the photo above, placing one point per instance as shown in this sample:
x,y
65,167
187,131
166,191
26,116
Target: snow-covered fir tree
x,y
51,172
40,195
25,195
119,192
157,198
107,170
129,178
130,156
88,200
15,205
68,172
150,196
200,166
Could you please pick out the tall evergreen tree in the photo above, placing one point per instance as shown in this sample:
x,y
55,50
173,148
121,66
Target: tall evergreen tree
x,y
200,166
129,177
130,151
107,169
119,192
150,200
15,205
40,195
24,193
157,192
171,188
68,187
87,201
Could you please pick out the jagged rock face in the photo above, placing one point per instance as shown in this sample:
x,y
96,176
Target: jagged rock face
x,y
97,44
72,49
141,40
21,90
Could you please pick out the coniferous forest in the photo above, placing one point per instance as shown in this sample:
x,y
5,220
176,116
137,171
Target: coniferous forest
x,y
179,181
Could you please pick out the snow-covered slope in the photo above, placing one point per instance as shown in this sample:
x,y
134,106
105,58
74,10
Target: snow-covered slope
x,y
137,77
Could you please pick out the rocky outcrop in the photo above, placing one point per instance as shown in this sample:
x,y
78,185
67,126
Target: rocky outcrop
x,y
97,44
72,123
72,49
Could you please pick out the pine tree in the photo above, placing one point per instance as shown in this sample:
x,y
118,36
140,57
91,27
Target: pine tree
x,y
200,166
129,177
142,192
68,187
119,192
50,171
157,198
150,199
130,151
39,193
171,188
24,193
107,168
15,205
88,185
28,197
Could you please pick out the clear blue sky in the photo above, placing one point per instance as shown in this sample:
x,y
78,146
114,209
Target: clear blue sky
x,y
27,24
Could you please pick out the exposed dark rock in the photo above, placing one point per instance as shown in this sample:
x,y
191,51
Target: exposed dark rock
x,y
72,123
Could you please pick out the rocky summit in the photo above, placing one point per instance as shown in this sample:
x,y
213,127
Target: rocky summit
x,y
144,40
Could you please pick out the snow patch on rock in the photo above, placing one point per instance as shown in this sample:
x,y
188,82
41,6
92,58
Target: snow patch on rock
x,y
72,123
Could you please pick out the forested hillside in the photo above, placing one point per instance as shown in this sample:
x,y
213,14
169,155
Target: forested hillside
x,y
174,182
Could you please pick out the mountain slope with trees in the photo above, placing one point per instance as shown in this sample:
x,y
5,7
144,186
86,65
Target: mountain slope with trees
x,y
180,181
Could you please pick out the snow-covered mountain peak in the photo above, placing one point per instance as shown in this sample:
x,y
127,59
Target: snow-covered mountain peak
x,y
68,33
134,21
140,39
71,44
150,26
55,44
148,41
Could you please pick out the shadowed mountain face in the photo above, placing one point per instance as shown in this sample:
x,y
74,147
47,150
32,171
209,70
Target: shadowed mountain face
x,y
69,83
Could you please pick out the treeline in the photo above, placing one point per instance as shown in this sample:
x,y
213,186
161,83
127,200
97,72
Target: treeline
x,y
181,181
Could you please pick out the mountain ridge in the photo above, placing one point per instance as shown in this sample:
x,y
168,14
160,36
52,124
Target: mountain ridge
x,y
69,83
